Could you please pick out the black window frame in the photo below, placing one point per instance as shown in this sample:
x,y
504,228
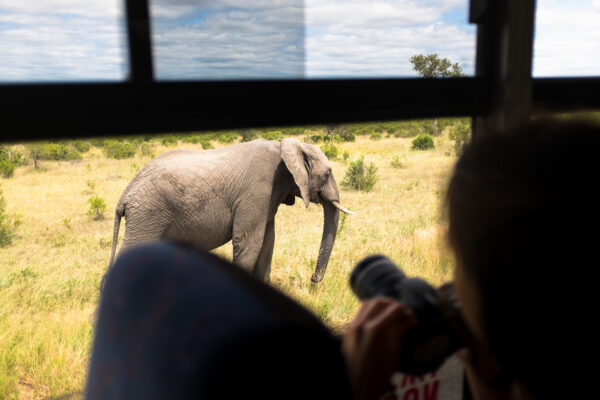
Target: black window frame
x,y
502,85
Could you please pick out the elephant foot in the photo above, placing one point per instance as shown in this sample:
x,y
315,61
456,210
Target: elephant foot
x,y
316,278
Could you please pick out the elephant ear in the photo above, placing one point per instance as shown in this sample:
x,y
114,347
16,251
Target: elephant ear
x,y
293,157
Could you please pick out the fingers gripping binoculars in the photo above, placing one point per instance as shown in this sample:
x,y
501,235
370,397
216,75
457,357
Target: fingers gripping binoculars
x,y
440,329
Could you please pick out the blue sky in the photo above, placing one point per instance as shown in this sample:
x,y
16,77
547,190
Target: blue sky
x,y
71,40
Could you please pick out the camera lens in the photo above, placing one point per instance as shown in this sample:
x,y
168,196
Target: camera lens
x,y
376,275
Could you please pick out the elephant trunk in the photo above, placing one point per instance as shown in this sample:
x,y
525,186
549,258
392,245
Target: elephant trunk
x,y
331,219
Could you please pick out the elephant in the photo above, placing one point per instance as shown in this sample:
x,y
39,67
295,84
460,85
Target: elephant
x,y
208,197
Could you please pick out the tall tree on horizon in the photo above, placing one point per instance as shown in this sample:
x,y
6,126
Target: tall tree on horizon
x,y
432,66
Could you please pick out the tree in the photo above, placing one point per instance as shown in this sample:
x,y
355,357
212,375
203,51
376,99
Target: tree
x,y
36,152
432,66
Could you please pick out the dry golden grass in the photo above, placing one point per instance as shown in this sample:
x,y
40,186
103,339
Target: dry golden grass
x,y
49,277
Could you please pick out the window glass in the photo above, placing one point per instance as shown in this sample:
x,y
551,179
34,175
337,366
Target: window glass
x,y
567,38
232,39
62,40
378,38
228,39
58,202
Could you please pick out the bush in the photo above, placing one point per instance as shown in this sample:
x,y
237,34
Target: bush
x,y
7,166
59,152
293,130
118,150
8,224
409,130
346,155
206,144
330,151
359,176
97,207
272,135
248,135
427,127
169,140
347,136
422,142
81,146
146,149
460,133
52,151
398,162
192,138
313,139
227,137
375,135
97,142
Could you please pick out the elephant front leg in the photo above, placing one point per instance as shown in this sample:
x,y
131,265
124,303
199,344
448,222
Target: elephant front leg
x,y
263,264
247,245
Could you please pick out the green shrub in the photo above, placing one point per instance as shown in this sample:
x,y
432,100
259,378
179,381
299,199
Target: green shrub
x,y
398,162
192,138
347,136
227,137
169,140
97,207
81,145
206,144
427,127
248,135
460,134
119,150
146,149
272,135
97,142
330,151
346,155
313,139
408,130
7,166
422,142
375,135
8,224
52,151
360,176
293,130
59,152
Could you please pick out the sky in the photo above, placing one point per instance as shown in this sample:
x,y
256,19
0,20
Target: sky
x,y
82,40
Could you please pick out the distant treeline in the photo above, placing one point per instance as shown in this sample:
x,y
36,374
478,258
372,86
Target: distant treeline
x,y
128,146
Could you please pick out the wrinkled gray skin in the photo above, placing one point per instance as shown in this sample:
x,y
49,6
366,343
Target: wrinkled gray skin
x,y
209,197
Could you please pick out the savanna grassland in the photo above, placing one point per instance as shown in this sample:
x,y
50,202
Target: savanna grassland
x,y
50,274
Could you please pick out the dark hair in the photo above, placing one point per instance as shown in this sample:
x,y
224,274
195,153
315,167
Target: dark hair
x,y
523,219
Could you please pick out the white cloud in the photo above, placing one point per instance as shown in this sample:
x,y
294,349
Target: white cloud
x,y
567,41
377,38
51,47
92,9
369,14
225,43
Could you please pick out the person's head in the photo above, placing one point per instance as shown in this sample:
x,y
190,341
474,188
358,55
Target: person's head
x,y
523,217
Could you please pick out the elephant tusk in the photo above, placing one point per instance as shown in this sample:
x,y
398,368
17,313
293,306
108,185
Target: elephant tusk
x,y
339,207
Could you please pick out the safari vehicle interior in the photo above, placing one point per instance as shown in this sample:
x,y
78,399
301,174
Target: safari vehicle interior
x,y
501,93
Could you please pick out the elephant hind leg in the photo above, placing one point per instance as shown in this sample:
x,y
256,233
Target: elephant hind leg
x,y
136,234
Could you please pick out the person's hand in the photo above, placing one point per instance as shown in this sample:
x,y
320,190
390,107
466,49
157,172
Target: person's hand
x,y
372,343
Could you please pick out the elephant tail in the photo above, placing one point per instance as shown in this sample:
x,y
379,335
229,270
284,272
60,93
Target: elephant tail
x,y
118,214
